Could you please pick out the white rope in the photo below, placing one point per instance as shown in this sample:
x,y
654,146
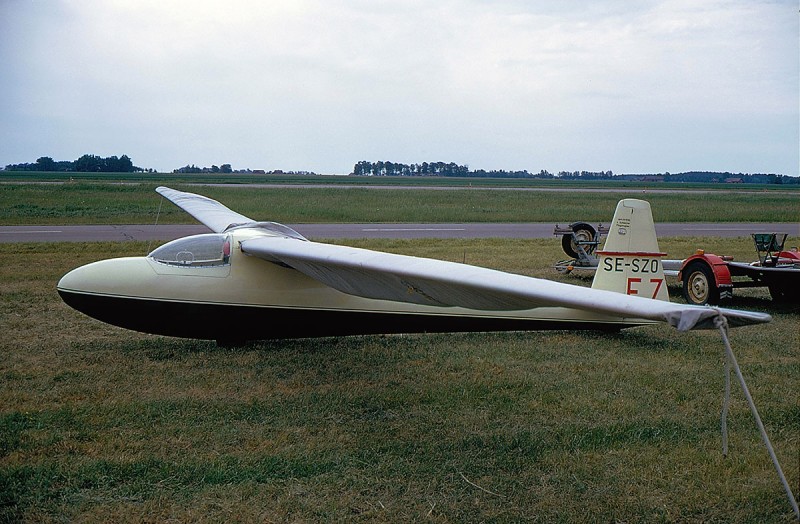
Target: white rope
x,y
722,323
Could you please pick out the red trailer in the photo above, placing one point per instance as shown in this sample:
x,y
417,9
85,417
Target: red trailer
x,y
711,279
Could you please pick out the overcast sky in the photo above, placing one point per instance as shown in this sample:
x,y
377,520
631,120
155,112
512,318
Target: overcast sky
x,y
642,86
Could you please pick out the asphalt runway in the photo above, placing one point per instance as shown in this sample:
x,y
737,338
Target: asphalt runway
x,y
121,233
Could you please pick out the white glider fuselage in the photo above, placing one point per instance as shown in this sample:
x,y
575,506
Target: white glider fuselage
x,y
248,298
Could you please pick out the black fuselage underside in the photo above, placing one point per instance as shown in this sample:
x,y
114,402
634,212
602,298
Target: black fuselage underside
x,y
236,322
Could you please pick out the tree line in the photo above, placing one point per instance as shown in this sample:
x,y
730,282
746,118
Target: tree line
x,y
224,168
123,164
381,168
84,164
451,169
712,177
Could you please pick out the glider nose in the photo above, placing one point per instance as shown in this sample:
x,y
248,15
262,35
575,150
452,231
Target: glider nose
x,y
88,287
117,276
76,281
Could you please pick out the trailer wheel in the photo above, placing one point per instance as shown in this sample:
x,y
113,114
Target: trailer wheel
x,y
699,284
582,232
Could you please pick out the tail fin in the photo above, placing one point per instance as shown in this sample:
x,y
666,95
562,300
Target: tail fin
x,y
630,261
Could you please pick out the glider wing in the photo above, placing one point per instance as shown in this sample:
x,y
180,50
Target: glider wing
x,y
208,211
403,278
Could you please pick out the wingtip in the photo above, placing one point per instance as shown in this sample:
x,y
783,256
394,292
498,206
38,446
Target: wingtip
x,y
686,319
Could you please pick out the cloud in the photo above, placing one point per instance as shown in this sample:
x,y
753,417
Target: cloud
x,y
320,85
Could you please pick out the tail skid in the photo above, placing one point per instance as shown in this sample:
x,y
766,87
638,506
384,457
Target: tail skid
x,y
630,261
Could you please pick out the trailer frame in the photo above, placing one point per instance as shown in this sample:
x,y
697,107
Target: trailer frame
x,y
707,278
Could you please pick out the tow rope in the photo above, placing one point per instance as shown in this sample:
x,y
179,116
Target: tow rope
x,y
730,362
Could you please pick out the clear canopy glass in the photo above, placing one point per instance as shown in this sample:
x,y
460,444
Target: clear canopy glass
x,y
198,250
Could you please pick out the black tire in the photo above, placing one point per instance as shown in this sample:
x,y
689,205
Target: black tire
x,y
699,284
583,232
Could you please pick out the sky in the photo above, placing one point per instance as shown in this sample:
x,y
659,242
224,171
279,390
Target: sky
x,y
648,86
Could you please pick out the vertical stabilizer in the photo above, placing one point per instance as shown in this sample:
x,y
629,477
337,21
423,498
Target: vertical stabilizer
x,y
630,261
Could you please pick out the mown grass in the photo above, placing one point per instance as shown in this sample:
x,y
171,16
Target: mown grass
x,y
100,424
100,203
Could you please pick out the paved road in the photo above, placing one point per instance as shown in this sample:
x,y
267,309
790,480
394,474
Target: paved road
x,y
119,233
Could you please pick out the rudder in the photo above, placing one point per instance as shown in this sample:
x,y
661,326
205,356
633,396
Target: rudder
x,y
630,261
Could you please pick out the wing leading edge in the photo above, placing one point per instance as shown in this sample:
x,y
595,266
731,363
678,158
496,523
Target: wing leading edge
x,y
208,211
403,278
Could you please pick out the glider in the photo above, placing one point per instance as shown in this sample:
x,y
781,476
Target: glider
x,y
252,280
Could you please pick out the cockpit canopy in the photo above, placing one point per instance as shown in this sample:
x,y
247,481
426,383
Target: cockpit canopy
x,y
196,251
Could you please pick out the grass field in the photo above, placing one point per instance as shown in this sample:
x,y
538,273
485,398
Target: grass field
x,y
428,181
101,203
98,424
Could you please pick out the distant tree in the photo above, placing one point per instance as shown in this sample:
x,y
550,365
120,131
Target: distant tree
x,y
125,165
225,168
45,163
88,164
188,169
